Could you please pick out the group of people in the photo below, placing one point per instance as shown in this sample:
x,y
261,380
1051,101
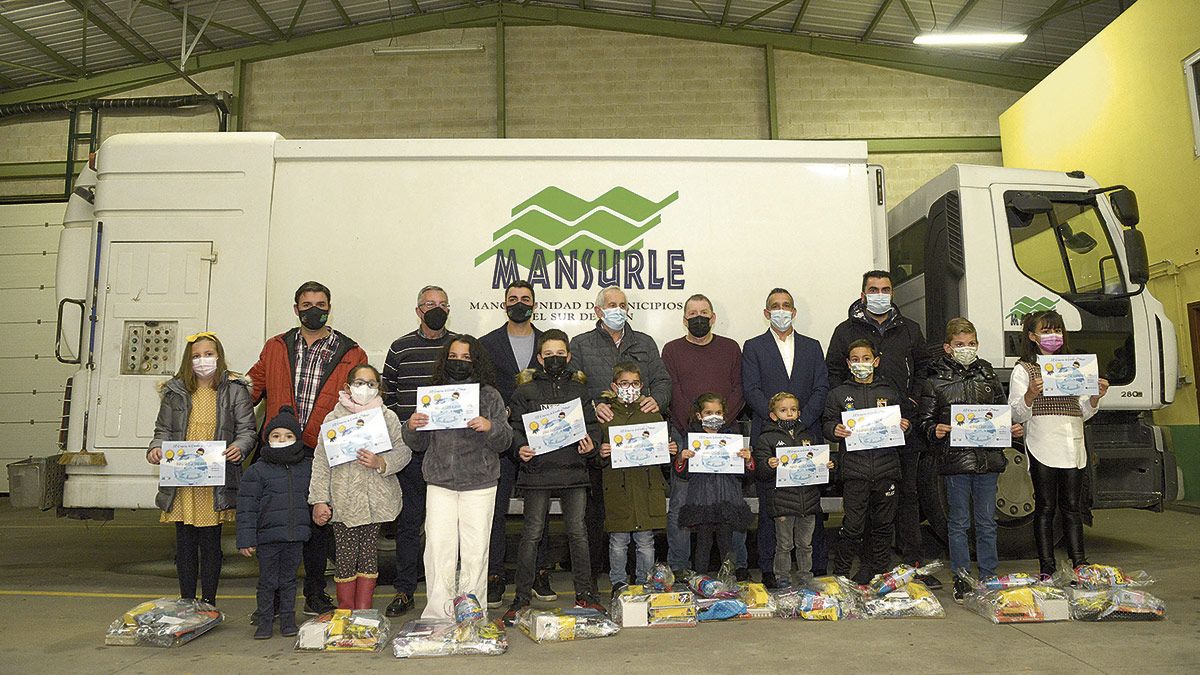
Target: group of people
x,y
454,485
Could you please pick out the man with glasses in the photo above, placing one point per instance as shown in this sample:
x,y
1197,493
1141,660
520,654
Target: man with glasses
x,y
304,369
409,365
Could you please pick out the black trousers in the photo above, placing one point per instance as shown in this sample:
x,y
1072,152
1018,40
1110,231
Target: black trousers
x,y
198,549
869,507
724,537
1058,490
277,565
908,509
317,550
594,519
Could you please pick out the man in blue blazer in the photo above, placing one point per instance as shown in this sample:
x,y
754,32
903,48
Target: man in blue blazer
x,y
781,360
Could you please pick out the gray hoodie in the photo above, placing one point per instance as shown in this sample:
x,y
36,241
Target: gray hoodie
x,y
464,459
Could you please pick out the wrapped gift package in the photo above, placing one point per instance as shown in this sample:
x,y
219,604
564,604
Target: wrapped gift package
x,y
638,607
1022,604
912,600
1115,604
424,638
165,622
344,630
560,625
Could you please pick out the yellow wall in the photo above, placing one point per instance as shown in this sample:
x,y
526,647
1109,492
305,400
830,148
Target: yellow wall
x,y
1118,109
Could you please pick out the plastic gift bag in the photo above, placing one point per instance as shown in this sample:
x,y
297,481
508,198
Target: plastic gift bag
x,y
661,579
1021,604
559,625
727,575
1115,604
912,600
344,630
719,610
165,622
900,575
809,605
1100,576
446,638
1014,580
708,587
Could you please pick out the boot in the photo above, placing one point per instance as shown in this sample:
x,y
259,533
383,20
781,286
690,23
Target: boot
x,y
345,593
1043,537
364,593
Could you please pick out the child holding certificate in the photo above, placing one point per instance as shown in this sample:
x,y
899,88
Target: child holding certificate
x,y
714,506
960,377
796,507
1053,440
635,497
868,476
358,496
562,472
203,402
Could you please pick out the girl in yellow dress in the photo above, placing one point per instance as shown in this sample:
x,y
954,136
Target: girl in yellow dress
x,y
203,402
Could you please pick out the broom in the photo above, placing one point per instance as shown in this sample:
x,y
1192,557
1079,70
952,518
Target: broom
x,y
83,458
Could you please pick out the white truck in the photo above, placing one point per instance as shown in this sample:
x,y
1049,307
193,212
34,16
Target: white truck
x,y
177,233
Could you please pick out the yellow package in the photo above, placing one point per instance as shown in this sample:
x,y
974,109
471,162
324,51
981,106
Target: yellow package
x,y
754,595
824,614
682,612
131,616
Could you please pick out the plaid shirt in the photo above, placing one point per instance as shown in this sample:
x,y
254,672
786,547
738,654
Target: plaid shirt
x,y
311,361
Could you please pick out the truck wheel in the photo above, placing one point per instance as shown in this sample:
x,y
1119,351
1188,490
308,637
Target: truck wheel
x,y
1014,505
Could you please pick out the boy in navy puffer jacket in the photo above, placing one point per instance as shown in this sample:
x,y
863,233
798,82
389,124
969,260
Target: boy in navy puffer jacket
x,y
273,520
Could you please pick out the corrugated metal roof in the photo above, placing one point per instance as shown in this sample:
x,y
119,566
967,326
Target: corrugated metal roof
x,y
149,25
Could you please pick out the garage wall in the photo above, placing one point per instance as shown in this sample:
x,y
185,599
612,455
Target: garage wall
x,y
561,82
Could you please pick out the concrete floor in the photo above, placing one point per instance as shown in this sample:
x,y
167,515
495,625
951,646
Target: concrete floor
x,y
64,581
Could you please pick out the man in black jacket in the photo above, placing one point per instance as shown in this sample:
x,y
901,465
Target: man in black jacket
x,y
903,358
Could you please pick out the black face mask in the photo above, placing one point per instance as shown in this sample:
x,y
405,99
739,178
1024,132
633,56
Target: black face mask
x,y
457,370
787,425
554,365
288,455
520,312
436,318
314,318
699,326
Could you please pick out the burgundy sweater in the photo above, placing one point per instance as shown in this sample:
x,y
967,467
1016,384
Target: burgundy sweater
x,y
715,367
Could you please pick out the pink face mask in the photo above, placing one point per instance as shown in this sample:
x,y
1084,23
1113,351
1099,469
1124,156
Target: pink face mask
x,y
1050,342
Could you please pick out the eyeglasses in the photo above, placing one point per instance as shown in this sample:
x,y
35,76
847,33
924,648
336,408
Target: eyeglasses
x,y
365,383
627,383
429,304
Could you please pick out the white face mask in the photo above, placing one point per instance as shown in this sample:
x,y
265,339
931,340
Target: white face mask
x,y
362,394
862,371
614,318
204,366
879,303
712,421
781,319
629,394
282,444
966,355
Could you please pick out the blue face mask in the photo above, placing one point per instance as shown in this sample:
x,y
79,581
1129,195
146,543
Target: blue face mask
x,y
879,303
614,318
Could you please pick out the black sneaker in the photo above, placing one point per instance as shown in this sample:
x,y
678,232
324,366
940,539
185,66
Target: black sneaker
x,y
510,617
961,588
769,581
401,603
318,605
495,591
541,587
742,574
931,582
264,631
618,588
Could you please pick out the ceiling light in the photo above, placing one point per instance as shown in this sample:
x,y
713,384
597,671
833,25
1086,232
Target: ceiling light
x,y
963,39
428,49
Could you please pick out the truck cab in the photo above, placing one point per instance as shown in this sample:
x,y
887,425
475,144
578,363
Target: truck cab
x,y
994,244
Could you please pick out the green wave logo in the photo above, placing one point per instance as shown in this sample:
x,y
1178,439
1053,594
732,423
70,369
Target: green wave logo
x,y
555,219
1026,306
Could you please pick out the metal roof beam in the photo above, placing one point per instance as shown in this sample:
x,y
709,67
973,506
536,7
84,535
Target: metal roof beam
x,y
39,71
883,8
779,5
192,20
962,14
265,18
702,11
417,7
1052,12
108,30
1014,76
342,13
725,12
40,46
295,18
912,18
800,15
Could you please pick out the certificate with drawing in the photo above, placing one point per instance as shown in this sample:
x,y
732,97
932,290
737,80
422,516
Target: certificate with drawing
x,y
802,465
980,426
716,453
192,464
345,436
639,444
872,428
1069,375
449,406
554,426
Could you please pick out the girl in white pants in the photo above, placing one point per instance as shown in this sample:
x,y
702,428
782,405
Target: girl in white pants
x,y
461,468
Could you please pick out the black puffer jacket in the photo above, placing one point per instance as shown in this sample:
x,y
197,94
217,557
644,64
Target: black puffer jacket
x,y
903,355
564,467
878,464
272,502
950,383
803,500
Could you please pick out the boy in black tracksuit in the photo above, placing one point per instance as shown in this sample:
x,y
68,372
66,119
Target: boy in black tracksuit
x,y
563,472
868,476
273,519
796,507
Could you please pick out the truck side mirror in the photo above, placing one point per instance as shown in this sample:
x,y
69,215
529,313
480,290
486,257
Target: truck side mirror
x,y
1124,203
1023,206
1135,254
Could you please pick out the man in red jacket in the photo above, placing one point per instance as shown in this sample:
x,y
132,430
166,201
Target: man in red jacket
x,y
304,368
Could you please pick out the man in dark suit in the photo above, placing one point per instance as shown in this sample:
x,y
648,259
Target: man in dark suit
x,y
780,360
512,348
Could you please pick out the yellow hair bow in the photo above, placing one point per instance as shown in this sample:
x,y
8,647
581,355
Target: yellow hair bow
x,y
192,338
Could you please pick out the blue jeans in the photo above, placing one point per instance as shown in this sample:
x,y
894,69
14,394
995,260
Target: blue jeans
x,y
961,489
618,556
409,551
679,539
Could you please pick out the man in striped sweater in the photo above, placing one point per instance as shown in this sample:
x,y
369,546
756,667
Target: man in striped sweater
x,y
409,365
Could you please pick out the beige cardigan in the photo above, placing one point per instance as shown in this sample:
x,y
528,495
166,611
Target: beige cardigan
x,y
358,495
